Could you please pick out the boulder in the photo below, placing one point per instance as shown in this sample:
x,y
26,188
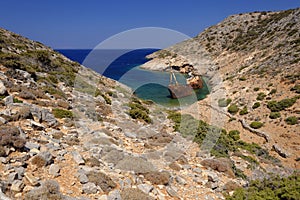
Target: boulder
x,y
89,188
3,90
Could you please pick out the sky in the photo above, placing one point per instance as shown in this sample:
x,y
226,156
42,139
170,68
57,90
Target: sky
x,y
78,24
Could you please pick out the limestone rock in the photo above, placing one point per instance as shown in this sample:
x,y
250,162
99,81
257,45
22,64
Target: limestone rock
x,y
77,158
54,170
17,186
2,88
146,188
280,151
89,188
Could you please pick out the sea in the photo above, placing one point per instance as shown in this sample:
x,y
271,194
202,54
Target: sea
x,y
124,66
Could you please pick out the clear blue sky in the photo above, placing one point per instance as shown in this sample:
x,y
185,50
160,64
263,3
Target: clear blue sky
x,y
84,24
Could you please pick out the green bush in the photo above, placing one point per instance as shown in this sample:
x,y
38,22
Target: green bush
x,y
139,114
244,111
224,143
16,100
256,105
261,96
273,91
276,106
233,109
256,89
256,125
291,120
296,88
234,134
60,113
224,102
243,78
274,115
273,188
138,111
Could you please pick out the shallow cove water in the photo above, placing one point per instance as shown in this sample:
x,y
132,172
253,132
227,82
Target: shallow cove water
x,y
148,85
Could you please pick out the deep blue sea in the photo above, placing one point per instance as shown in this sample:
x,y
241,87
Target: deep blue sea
x,y
123,66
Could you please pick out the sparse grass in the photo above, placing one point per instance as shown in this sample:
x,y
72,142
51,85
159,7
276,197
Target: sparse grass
x,y
60,113
16,100
224,143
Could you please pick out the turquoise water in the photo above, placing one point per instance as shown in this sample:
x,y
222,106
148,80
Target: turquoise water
x,y
154,86
148,85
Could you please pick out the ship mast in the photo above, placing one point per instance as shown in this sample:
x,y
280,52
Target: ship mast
x,y
172,75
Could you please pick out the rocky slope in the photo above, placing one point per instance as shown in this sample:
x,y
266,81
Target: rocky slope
x,y
252,61
68,133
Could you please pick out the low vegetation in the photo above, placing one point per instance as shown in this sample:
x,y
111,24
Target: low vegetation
x,y
233,109
10,137
274,115
224,142
274,188
256,105
138,111
244,111
61,113
296,88
261,96
277,106
224,102
256,125
291,120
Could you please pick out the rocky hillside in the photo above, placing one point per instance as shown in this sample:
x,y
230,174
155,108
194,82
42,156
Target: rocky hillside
x,y
68,133
252,61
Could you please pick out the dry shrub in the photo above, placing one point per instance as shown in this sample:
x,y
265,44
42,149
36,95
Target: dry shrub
x,y
27,94
158,178
134,194
63,104
42,159
102,180
220,165
49,190
10,137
